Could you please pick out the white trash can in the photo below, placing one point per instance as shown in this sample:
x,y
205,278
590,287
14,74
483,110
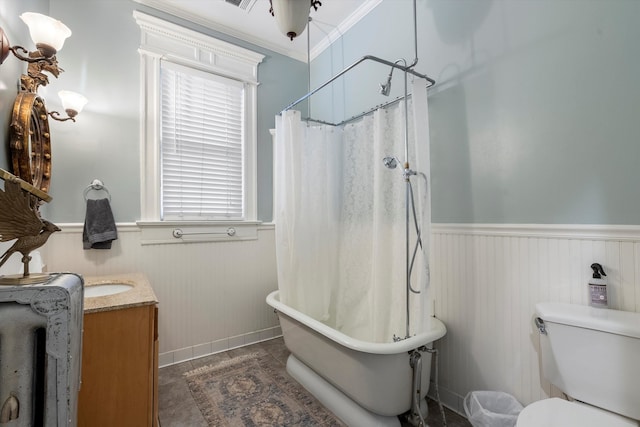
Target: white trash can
x,y
491,409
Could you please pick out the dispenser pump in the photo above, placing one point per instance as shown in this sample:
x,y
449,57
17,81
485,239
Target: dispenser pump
x,y
598,272
598,287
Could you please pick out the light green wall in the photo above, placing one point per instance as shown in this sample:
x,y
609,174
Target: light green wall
x,y
535,117
101,61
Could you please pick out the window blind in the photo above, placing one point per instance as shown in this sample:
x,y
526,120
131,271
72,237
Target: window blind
x,y
202,134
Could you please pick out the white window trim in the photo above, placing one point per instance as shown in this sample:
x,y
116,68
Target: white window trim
x,y
163,40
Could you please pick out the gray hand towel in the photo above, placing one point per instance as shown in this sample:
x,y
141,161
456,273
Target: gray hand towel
x,y
99,226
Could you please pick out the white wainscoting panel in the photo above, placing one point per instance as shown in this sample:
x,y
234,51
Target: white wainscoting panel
x,y
211,294
487,280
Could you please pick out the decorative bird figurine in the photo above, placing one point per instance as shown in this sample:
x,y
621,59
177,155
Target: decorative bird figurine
x,y
20,219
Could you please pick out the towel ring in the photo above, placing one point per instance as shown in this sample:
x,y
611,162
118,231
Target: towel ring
x,y
96,185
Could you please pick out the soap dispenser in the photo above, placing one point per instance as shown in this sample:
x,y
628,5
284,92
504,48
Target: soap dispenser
x,y
598,287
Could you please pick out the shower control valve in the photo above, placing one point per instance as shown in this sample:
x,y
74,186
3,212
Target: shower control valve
x,y
408,173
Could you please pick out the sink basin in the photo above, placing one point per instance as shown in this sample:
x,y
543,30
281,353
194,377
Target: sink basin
x,y
104,289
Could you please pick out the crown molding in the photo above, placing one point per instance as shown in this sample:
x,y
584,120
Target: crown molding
x,y
344,26
208,23
320,47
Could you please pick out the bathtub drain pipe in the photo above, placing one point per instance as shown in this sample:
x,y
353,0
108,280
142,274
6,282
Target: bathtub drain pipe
x,y
415,416
434,351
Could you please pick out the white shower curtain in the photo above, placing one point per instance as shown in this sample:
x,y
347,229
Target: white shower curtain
x,y
340,220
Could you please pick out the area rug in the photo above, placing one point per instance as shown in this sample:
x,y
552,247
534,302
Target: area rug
x,y
254,390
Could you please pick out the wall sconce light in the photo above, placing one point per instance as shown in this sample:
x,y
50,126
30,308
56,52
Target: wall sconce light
x,y
292,15
48,35
30,140
72,103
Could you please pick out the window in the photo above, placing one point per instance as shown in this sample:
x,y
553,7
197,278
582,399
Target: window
x,y
198,128
202,134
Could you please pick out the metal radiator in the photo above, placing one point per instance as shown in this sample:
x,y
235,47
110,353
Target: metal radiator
x,y
40,352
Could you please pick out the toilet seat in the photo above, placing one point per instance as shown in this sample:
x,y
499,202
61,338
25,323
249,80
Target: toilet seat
x,y
557,412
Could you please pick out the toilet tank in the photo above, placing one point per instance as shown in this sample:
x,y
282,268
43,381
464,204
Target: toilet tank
x,y
592,354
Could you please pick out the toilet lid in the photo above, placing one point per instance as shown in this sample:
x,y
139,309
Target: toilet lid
x,y
557,412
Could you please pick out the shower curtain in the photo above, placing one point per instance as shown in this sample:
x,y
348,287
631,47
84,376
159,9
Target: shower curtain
x,y
340,220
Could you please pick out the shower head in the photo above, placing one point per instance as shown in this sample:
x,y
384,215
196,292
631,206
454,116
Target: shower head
x,y
385,88
390,162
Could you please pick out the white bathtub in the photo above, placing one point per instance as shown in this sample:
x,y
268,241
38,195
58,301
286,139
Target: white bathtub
x,y
365,384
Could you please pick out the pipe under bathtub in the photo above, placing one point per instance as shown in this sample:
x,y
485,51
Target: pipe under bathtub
x,y
415,415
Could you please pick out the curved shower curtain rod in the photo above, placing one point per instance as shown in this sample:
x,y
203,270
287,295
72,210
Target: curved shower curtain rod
x,y
406,69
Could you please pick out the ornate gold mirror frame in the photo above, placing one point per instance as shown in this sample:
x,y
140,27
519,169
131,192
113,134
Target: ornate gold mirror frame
x,y
30,141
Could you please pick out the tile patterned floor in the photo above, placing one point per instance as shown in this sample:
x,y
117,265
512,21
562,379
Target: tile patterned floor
x,y
177,408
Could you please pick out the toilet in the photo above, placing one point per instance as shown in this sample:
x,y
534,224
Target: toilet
x,y
591,354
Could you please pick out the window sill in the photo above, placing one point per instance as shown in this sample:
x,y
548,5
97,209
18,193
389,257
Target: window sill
x,y
171,232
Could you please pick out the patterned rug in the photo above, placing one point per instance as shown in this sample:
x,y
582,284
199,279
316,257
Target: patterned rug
x,y
254,390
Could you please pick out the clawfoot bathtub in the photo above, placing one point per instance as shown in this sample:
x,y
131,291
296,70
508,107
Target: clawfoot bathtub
x,y
363,383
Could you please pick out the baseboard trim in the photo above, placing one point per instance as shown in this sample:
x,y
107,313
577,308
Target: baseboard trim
x,y
201,350
448,398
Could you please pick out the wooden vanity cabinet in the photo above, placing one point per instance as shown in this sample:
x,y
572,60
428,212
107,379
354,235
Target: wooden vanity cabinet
x,y
119,378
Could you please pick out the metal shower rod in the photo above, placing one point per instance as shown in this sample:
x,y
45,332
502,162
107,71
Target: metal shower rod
x,y
406,69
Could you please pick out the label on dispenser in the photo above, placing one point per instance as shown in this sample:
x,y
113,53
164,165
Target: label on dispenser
x,y
598,295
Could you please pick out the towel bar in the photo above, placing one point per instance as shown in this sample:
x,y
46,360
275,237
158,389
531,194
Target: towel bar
x,y
178,233
96,185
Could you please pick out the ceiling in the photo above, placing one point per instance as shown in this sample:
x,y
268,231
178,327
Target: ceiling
x,y
252,22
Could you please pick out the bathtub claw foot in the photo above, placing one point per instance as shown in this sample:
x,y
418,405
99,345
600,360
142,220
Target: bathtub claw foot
x,y
10,410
